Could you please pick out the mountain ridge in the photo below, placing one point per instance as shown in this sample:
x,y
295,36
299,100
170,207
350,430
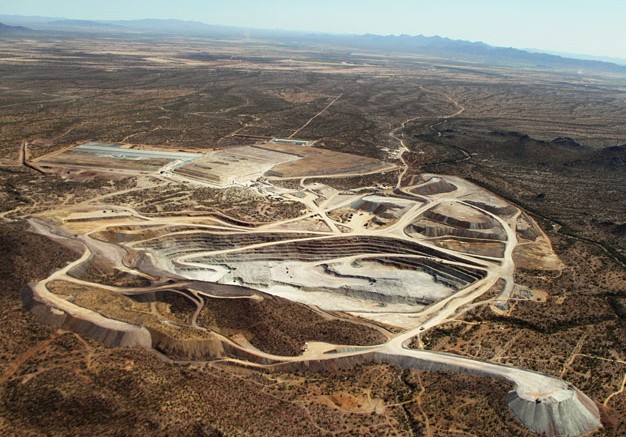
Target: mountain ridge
x,y
5,28
438,46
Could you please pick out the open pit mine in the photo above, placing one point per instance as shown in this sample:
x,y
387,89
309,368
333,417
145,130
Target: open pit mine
x,y
382,264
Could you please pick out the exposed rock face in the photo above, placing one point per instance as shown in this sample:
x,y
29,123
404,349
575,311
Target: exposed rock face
x,y
565,411
485,222
544,404
430,229
502,211
434,186
568,412
110,333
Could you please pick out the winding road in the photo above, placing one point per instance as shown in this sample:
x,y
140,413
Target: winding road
x,y
530,387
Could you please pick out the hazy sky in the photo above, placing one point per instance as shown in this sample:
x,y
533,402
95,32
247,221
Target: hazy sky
x,y
595,27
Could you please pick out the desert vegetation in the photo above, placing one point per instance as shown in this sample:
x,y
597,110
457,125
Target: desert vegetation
x,y
536,140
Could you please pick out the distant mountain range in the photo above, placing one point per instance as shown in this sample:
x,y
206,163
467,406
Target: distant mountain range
x,y
145,25
5,29
612,60
438,46
434,46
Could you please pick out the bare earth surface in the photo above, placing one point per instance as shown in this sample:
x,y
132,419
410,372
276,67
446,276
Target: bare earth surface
x,y
355,282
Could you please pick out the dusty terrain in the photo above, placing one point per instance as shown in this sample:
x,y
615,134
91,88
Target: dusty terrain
x,y
305,286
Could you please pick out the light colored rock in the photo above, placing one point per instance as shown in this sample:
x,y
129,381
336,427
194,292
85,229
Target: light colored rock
x,y
111,333
544,404
568,412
